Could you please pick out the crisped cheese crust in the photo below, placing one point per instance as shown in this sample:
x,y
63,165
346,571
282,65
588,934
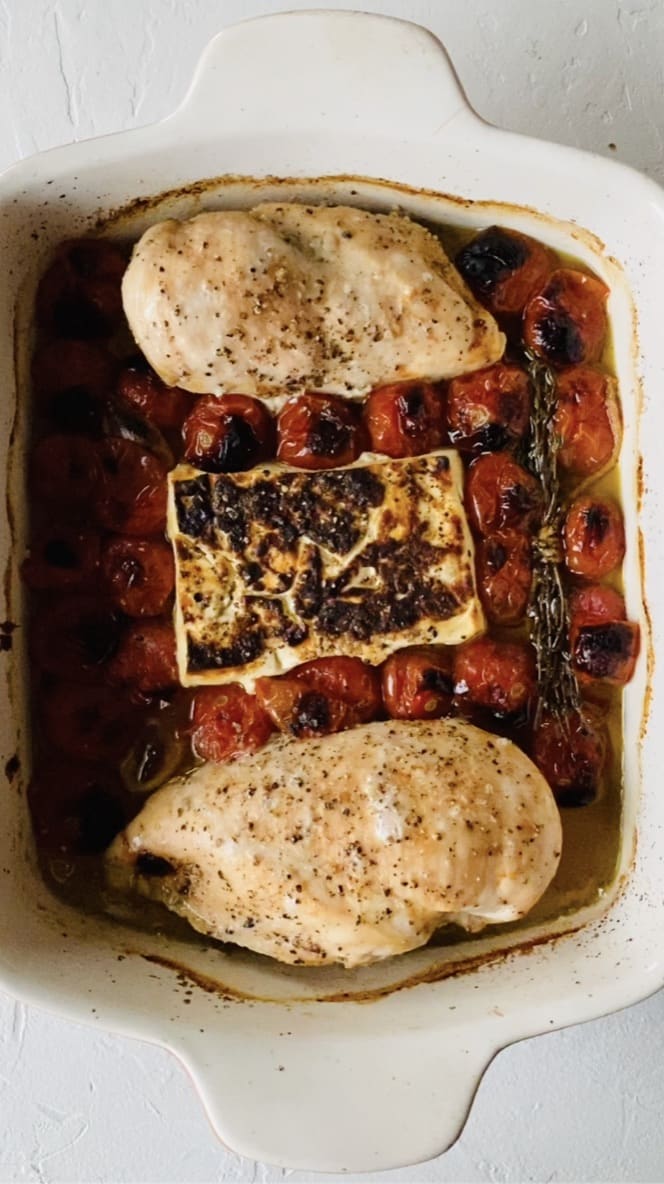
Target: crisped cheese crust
x,y
286,297
352,847
277,566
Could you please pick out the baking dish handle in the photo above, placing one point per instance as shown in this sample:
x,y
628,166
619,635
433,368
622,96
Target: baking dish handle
x,y
351,71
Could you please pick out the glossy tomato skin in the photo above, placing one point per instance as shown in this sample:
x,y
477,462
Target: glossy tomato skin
x,y
593,537
565,321
65,472
142,391
322,696
132,492
316,431
72,382
87,722
501,496
571,754
596,602
498,675
406,419
62,557
504,576
79,297
77,809
503,268
228,434
489,409
75,637
226,722
418,683
145,659
587,420
138,574
606,650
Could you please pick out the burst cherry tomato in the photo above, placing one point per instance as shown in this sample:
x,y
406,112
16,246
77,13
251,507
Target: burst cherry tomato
x,y
80,296
139,575
228,434
606,650
77,809
594,537
501,495
565,321
323,696
571,754
88,723
594,603
319,432
498,675
76,638
62,557
227,721
72,380
131,498
140,389
504,577
587,420
418,683
488,409
145,659
406,419
65,471
503,268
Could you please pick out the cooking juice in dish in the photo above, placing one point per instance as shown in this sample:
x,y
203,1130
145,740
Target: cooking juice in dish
x,y
538,434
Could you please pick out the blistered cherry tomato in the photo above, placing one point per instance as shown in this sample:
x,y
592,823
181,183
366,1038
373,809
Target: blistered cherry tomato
x,y
504,267
88,722
131,498
138,574
76,637
139,388
406,418
145,659
501,495
228,434
565,321
72,380
489,409
606,650
504,577
322,696
587,420
319,432
77,809
80,296
596,602
65,471
571,754
62,557
227,721
418,683
498,675
594,537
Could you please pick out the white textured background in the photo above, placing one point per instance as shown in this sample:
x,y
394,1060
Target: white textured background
x,y
582,1105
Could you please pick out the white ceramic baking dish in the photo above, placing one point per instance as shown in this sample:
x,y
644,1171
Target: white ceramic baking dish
x,y
375,1068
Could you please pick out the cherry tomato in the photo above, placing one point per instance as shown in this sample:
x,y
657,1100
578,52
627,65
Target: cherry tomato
x,y
139,575
504,267
587,420
504,577
62,557
145,659
228,434
418,683
406,418
499,675
606,650
132,493
571,754
319,432
594,603
489,409
227,721
322,696
76,809
501,495
594,537
140,389
72,380
90,723
76,637
565,321
80,296
65,471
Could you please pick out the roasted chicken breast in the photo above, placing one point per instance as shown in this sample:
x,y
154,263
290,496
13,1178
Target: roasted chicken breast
x,y
349,848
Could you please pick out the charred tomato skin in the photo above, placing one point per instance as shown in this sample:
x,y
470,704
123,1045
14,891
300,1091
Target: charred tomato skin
x,y
228,434
593,537
565,322
504,576
322,696
488,410
501,496
406,419
317,431
503,268
418,683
